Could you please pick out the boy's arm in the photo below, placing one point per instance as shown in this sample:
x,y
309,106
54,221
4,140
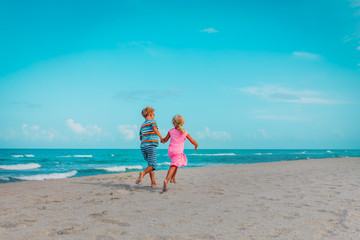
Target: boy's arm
x,y
166,138
192,141
157,132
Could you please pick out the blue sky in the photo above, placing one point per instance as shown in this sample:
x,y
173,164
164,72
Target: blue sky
x,y
244,74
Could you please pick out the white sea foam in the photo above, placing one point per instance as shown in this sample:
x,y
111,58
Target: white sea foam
x,y
21,156
20,166
121,168
259,154
328,151
77,156
215,154
164,163
48,176
112,155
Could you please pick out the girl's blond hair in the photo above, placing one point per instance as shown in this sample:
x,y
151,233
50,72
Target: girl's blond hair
x,y
178,121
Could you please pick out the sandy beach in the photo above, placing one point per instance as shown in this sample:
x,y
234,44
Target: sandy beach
x,y
308,199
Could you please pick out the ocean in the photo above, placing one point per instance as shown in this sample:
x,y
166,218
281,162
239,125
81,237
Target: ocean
x,y
40,164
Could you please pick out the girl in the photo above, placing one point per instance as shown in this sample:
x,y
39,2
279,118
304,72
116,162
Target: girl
x,y
177,137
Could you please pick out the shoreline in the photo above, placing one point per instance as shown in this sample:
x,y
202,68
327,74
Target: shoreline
x,y
300,199
25,165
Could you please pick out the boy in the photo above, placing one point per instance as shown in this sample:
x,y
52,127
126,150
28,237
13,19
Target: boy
x,y
149,141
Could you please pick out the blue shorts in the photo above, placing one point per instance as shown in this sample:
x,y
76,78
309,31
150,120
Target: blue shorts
x,y
149,153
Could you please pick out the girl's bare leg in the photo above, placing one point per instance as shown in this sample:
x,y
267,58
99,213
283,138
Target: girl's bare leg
x,y
172,180
169,175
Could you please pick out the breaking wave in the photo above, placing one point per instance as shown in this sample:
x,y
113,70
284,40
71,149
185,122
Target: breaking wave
x,y
213,154
47,176
121,168
20,166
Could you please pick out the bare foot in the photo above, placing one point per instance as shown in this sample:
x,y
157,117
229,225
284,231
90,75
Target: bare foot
x,y
141,175
173,181
154,185
165,188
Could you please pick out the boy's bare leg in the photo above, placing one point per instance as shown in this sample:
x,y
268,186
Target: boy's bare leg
x,y
143,173
169,175
152,178
172,180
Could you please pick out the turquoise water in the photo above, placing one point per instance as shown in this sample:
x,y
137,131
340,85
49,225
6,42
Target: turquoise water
x,y
40,164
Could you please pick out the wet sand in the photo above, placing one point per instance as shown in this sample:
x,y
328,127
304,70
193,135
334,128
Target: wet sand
x,y
308,199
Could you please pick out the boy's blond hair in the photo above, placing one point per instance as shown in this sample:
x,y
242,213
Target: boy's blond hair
x,y
146,111
178,121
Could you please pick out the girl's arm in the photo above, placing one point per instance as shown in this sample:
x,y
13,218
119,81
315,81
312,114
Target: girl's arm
x,y
166,138
192,141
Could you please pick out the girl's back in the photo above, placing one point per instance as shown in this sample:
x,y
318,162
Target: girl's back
x,y
177,140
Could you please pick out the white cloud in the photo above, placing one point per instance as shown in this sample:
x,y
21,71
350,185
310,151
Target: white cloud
x,y
358,48
258,135
10,134
129,132
215,135
264,134
339,133
80,130
209,30
35,133
355,3
348,38
279,94
306,55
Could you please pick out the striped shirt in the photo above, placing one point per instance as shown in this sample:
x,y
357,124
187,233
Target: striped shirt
x,y
149,137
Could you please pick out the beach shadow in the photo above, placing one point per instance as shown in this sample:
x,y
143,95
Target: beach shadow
x,y
127,187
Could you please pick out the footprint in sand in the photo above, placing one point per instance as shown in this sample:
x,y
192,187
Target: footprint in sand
x,y
28,222
9,225
96,215
70,230
245,226
94,201
100,218
289,216
104,237
115,222
212,222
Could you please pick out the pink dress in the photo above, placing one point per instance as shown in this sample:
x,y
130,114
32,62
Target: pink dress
x,y
176,148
